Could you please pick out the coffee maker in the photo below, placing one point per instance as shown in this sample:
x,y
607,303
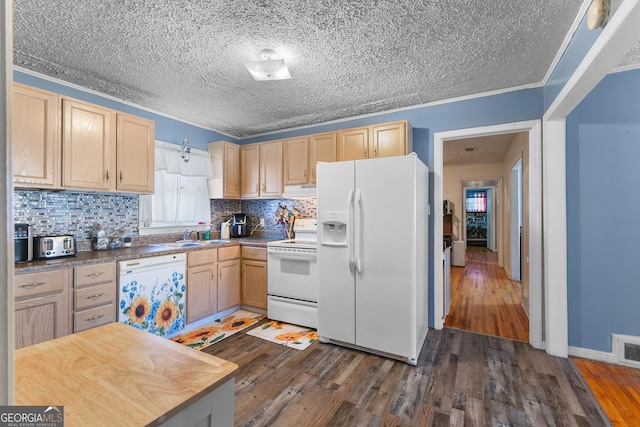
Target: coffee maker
x,y
240,225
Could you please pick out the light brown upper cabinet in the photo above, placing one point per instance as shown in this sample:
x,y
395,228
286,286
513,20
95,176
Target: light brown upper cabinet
x,y
36,137
88,146
385,140
322,148
225,167
391,139
353,144
106,150
296,160
250,171
60,142
271,169
135,154
302,153
261,170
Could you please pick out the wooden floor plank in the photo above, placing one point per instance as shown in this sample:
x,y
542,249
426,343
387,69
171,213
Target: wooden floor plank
x,y
328,385
616,387
484,300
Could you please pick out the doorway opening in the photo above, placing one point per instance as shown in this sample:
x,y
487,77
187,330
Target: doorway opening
x,y
531,224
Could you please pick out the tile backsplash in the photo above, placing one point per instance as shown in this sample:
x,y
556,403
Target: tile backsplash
x,y
63,212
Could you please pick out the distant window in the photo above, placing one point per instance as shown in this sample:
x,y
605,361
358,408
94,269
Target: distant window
x,y
476,201
181,197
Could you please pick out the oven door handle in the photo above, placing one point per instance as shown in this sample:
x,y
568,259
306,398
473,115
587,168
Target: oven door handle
x,y
285,255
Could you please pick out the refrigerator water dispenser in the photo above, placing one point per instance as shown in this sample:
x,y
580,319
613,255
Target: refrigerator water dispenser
x,y
334,228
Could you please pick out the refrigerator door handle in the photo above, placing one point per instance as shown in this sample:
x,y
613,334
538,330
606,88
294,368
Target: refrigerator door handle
x,y
350,230
358,231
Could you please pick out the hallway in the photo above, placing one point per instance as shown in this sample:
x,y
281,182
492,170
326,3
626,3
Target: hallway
x,y
484,300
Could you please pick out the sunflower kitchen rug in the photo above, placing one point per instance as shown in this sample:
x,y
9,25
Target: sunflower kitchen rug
x,y
218,330
283,333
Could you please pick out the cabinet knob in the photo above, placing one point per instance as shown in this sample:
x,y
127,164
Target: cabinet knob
x,y
364,156
120,176
257,187
375,153
264,187
304,173
107,175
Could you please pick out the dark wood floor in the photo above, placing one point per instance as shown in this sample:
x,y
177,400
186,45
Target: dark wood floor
x,y
462,379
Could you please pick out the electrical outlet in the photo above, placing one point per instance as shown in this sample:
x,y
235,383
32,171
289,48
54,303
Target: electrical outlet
x,y
261,222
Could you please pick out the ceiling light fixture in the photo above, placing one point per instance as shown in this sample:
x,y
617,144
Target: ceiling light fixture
x,y
269,67
598,13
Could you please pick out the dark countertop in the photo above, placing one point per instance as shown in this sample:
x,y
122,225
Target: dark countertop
x,y
121,254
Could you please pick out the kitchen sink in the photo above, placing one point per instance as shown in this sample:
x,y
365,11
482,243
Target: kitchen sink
x,y
213,242
180,244
190,243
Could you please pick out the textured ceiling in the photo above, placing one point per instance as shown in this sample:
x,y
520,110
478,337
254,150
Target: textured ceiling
x,y
346,57
485,149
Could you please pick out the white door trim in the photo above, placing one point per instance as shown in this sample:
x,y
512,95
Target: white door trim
x,y
618,36
515,215
6,213
533,127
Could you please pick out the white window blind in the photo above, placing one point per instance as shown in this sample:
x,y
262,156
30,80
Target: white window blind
x,y
181,197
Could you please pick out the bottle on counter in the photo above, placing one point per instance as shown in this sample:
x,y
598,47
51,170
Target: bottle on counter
x,y
99,238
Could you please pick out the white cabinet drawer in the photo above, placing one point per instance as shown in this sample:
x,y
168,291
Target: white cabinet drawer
x,y
94,295
93,317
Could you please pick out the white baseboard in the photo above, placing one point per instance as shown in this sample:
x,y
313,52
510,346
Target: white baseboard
x,y
587,353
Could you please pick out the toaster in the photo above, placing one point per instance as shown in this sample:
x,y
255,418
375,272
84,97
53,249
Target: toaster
x,y
54,246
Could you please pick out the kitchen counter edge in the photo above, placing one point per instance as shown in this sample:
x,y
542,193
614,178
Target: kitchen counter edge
x,y
121,254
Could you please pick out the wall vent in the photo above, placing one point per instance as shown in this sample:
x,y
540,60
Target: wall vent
x,y
626,349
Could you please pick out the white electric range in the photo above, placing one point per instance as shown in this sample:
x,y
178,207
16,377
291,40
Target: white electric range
x,y
293,276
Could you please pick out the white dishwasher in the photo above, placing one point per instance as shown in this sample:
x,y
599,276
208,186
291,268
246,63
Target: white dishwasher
x,y
151,293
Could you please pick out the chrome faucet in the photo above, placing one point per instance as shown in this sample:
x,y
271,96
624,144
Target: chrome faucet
x,y
186,234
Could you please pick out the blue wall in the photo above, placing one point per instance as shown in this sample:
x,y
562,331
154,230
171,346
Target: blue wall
x,y
603,157
168,130
578,47
491,110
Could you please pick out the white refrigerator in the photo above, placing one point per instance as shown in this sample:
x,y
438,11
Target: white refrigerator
x,y
373,255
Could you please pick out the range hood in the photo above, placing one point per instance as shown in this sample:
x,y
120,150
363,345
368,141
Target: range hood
x,y
299,192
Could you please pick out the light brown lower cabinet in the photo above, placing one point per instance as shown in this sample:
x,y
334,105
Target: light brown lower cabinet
x,y
228,277
254,277
213,281
41,306
94,295
202,284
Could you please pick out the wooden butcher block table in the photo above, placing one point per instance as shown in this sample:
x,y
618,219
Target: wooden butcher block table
x,y
116,375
